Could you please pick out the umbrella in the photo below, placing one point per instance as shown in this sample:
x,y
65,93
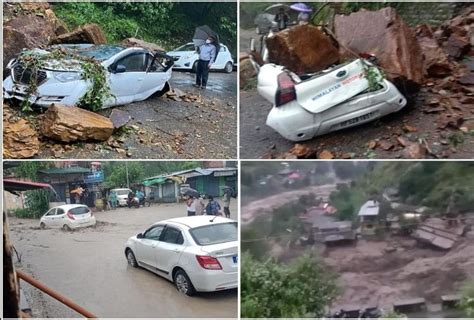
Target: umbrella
x,y
191,193
202,33
301,7
275,8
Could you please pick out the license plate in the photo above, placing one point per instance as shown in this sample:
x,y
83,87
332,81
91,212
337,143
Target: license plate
x,y
234,259
357,119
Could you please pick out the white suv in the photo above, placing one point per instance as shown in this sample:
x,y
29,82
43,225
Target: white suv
x,y
197,253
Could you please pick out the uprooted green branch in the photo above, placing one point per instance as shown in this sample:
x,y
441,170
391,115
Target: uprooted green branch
x,y
92,72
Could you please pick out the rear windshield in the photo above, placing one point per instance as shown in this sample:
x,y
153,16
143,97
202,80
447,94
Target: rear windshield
x,y
79,210
122,192
215,233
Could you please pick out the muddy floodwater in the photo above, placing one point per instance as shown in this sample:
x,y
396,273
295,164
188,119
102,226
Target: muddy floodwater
x,y
89,267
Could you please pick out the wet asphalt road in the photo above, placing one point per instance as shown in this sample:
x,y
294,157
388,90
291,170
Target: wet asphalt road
x,y
89,267
168,129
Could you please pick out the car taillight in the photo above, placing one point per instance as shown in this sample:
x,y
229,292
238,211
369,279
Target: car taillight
x,y
70,215
286,89
208,262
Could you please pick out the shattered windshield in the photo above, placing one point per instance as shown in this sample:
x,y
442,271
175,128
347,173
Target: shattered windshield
x,y
98,52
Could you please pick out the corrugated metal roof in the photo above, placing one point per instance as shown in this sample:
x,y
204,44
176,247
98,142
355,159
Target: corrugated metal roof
x,y
65,170
370,208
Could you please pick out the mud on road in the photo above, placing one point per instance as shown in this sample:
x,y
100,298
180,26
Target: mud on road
x,y
89,267
162,128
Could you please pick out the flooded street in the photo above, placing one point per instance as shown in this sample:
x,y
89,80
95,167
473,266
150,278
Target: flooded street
x,y
89,267
162,128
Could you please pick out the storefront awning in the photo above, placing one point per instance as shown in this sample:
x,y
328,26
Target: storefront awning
x,y
154,181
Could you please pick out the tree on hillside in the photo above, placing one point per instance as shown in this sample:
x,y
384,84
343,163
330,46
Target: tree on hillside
x,y
301,289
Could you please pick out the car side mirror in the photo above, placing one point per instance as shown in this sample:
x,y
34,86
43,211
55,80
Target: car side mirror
x,y
120,68
140,236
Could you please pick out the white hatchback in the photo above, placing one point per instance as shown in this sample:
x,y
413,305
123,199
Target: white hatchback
x,y
186,57
197,253
68,217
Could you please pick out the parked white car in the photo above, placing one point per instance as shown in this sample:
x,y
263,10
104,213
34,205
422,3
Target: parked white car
x,y
68,217
122,195
186,57
133,74
197,253
316,104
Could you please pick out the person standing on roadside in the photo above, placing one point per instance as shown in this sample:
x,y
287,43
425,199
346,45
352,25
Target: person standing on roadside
x,y
191,206
281,18
227,196
207,56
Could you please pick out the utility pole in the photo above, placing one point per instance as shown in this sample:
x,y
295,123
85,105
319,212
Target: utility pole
x,y
126,172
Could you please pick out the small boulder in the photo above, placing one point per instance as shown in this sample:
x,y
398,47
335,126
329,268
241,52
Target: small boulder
x,y
119,118
88,33
20,140
70,124
134,42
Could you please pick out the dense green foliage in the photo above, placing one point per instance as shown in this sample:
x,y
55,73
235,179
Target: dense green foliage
x,y
115,172
36,204
29,169
467,300
168,24
430,184
302,289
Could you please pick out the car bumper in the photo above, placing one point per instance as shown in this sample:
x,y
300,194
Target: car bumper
x,y
83,224
213,280
65,93
122,202
295,123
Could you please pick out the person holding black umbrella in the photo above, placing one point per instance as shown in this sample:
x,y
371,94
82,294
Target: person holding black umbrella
x,y
207,56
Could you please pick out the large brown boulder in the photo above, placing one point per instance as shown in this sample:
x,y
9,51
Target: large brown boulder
x,y
88,33
384,34
134,42
69,124
20,140
435,61
302,49
26,32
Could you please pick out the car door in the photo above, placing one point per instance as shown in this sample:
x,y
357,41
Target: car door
x,y
59,217
154,80
170,248
146,246
221,58
125,85
49,217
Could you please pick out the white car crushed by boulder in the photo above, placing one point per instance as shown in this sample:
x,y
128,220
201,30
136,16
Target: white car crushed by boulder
x,y
340,97
59,77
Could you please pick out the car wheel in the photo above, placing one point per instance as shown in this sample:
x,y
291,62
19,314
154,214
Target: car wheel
x,y
228,67
165,89
131,259
195,67
183,284
67,228
42,225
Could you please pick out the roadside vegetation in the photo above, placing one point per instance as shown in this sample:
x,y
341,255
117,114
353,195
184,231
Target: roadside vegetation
x,y
271,290
165,23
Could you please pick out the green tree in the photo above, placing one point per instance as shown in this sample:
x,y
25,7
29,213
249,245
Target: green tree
x,y
467,300
301,289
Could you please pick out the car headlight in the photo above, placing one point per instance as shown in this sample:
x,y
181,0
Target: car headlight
x,y
10,64
67,76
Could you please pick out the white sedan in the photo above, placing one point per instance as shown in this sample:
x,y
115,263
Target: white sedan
x,y
68,217
186,57
197,253
133,74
